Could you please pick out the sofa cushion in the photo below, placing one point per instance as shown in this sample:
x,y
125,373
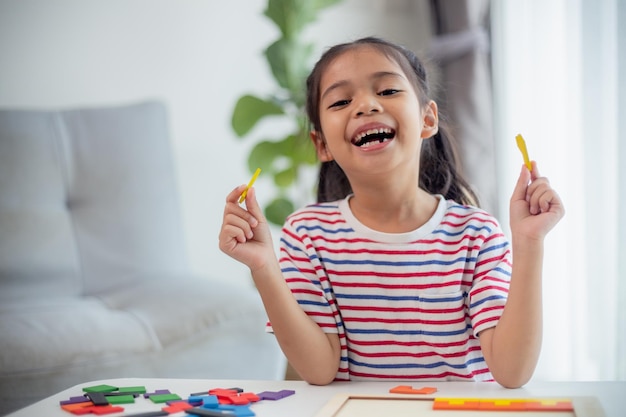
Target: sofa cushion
x,y
89,199
33,191
143,318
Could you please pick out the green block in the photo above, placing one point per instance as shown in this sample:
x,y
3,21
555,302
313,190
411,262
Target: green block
x,y
139,390
121,399
100,388
161,398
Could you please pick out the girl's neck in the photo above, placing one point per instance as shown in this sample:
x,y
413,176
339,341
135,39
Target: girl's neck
x,y
393,211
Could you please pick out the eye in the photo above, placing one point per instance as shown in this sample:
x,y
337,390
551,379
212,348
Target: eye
x,y
389,92
339,103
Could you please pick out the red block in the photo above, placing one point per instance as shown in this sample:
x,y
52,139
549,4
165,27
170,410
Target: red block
x,y
177,407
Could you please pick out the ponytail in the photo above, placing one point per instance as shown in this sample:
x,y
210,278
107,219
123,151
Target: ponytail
x,y
440,171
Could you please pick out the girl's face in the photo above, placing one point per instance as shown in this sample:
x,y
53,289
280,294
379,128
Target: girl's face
x,y
371,118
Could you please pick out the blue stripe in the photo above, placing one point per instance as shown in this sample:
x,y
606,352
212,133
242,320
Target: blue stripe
x,y
312,303
490,298
461,259
418,332
323,229
469,226
506,272
494,247
290,246
413,365
398,297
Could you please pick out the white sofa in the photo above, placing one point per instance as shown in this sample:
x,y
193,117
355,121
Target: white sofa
x,y
94,280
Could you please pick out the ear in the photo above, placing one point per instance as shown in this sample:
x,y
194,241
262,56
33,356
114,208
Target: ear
x,y
323,154
430,126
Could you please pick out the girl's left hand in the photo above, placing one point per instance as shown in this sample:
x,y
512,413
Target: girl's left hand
x,y
535,208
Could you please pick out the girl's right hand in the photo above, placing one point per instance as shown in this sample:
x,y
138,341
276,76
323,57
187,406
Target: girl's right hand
x,y
245,235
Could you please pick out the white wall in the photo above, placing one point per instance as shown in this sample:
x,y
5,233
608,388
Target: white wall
x,y
198,56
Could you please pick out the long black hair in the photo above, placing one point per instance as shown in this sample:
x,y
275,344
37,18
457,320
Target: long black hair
x,y
440,171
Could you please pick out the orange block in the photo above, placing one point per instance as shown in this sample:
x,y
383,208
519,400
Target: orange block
x,y
407,389
502,404
76,406
552,405
456,404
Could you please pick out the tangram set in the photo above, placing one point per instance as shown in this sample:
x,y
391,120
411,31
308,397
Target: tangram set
x,y
107,399
494,404
405,400
235,402
502,404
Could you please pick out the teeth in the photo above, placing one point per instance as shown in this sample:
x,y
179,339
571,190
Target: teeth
x,y
371,132
366,144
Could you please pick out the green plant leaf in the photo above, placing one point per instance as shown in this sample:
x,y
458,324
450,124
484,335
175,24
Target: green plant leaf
x,y
278,210
249,110
263,155
290,15
288,60
286,177
322,4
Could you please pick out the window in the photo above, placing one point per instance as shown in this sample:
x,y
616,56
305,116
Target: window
x,y
558,68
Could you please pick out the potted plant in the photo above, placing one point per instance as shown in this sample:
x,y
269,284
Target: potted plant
x,y
289,58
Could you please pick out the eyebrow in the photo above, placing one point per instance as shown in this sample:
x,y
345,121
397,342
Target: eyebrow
x,y
376,75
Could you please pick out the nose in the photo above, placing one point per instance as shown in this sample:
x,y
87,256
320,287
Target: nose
x,y
367,104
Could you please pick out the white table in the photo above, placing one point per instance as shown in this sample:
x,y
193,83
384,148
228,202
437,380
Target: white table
x,y
308,399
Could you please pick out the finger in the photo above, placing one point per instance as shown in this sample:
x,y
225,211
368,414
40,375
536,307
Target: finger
x,y
233,206
521,187
534,174
540,194
243,222
253,207
233,196
230,236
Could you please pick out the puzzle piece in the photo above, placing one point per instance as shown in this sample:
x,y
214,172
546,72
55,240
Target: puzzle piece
x,y
132,390
507,404
406,389
177,406
157,392
97,398
120,399
161,398
100,388
236,410
275,395
205,412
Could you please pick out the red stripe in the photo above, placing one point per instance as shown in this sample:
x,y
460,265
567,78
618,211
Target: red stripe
x,y
410,343
441,375
454,284
464,248
415,355
401,321
374,309
384,274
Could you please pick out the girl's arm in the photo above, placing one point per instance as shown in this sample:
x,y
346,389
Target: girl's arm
x,y
246,237
512,348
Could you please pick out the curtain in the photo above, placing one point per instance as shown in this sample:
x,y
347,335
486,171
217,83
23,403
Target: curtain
x,y
460,50
558,70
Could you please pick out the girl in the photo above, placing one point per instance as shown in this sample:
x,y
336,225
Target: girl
x,y
395,273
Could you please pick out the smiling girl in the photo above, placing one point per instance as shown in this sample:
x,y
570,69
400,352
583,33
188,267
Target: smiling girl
x,y
395,274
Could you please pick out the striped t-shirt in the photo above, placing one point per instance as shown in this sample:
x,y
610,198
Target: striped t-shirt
x,y
406,306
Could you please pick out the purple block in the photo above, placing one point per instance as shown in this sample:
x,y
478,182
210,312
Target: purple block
x,y
74,400
275,395
157,392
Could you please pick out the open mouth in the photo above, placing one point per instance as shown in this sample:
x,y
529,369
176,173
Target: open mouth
x,y
373,136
